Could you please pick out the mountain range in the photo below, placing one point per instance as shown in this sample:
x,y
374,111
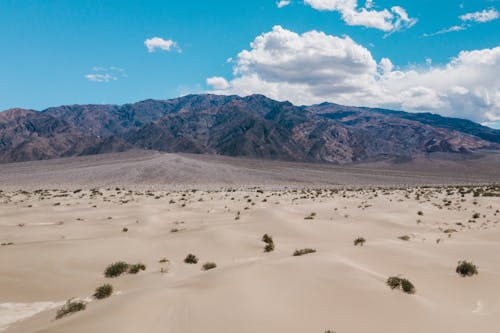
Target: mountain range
x,y
253,126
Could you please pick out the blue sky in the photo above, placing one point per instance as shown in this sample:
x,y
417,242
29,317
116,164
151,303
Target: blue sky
x,y
71,52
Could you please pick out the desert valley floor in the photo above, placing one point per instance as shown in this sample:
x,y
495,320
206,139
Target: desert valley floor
x,y
59,231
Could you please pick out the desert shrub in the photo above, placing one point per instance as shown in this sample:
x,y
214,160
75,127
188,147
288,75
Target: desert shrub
x,y
404,237
269,247
70,307
134,269
116,269
209,265
476,215
420,213
163,260
359,241
393,282
103,291
466,268
191,259
125,230
301,252
396,282
407,286
267,239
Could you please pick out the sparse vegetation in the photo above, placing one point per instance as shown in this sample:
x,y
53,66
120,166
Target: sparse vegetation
x,y
466,268
103,291
134,269
301,252
401,283
209,265
116,269
310,216
359,241
70,307
269,247
191,259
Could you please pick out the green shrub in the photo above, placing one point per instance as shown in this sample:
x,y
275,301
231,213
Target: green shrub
x,y
407,286
134,269
70,307
301,252
466,268
269,247
396,282
359,241
267,239
191,259
103,291
269,243
209,265
116,269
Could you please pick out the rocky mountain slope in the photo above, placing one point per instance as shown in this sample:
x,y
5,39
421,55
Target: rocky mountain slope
x,y
253,126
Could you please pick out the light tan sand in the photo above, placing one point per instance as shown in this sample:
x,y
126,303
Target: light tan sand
x,y
62,241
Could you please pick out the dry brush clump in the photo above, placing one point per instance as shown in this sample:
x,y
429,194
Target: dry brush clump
x,y
121,267
302,252
269,247
401,283
191,259
103,291
70,307
360,241
209,265
466,268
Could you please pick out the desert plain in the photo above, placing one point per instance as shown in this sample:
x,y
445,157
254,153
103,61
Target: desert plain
x,y
60,230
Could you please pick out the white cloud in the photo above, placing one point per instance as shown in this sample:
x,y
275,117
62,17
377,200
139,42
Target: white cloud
x,y
482,16
105,74
386,20
283,3
446,30
155,43
218,82
477,17
313,67
100,77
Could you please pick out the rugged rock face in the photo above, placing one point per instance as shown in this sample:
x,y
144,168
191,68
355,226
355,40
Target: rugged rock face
x,y
252,126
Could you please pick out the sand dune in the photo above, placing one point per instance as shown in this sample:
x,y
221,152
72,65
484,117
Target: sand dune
x,y
63,240
154,170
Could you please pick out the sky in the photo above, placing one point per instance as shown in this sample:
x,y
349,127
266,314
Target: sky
x,y
440,56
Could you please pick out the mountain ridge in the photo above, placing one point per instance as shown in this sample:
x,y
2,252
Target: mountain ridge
x,y
252,126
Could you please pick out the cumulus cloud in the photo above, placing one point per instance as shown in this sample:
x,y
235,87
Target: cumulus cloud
x,y
314,67
218,82
152,44
283,3
482,16
386,20
105,74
